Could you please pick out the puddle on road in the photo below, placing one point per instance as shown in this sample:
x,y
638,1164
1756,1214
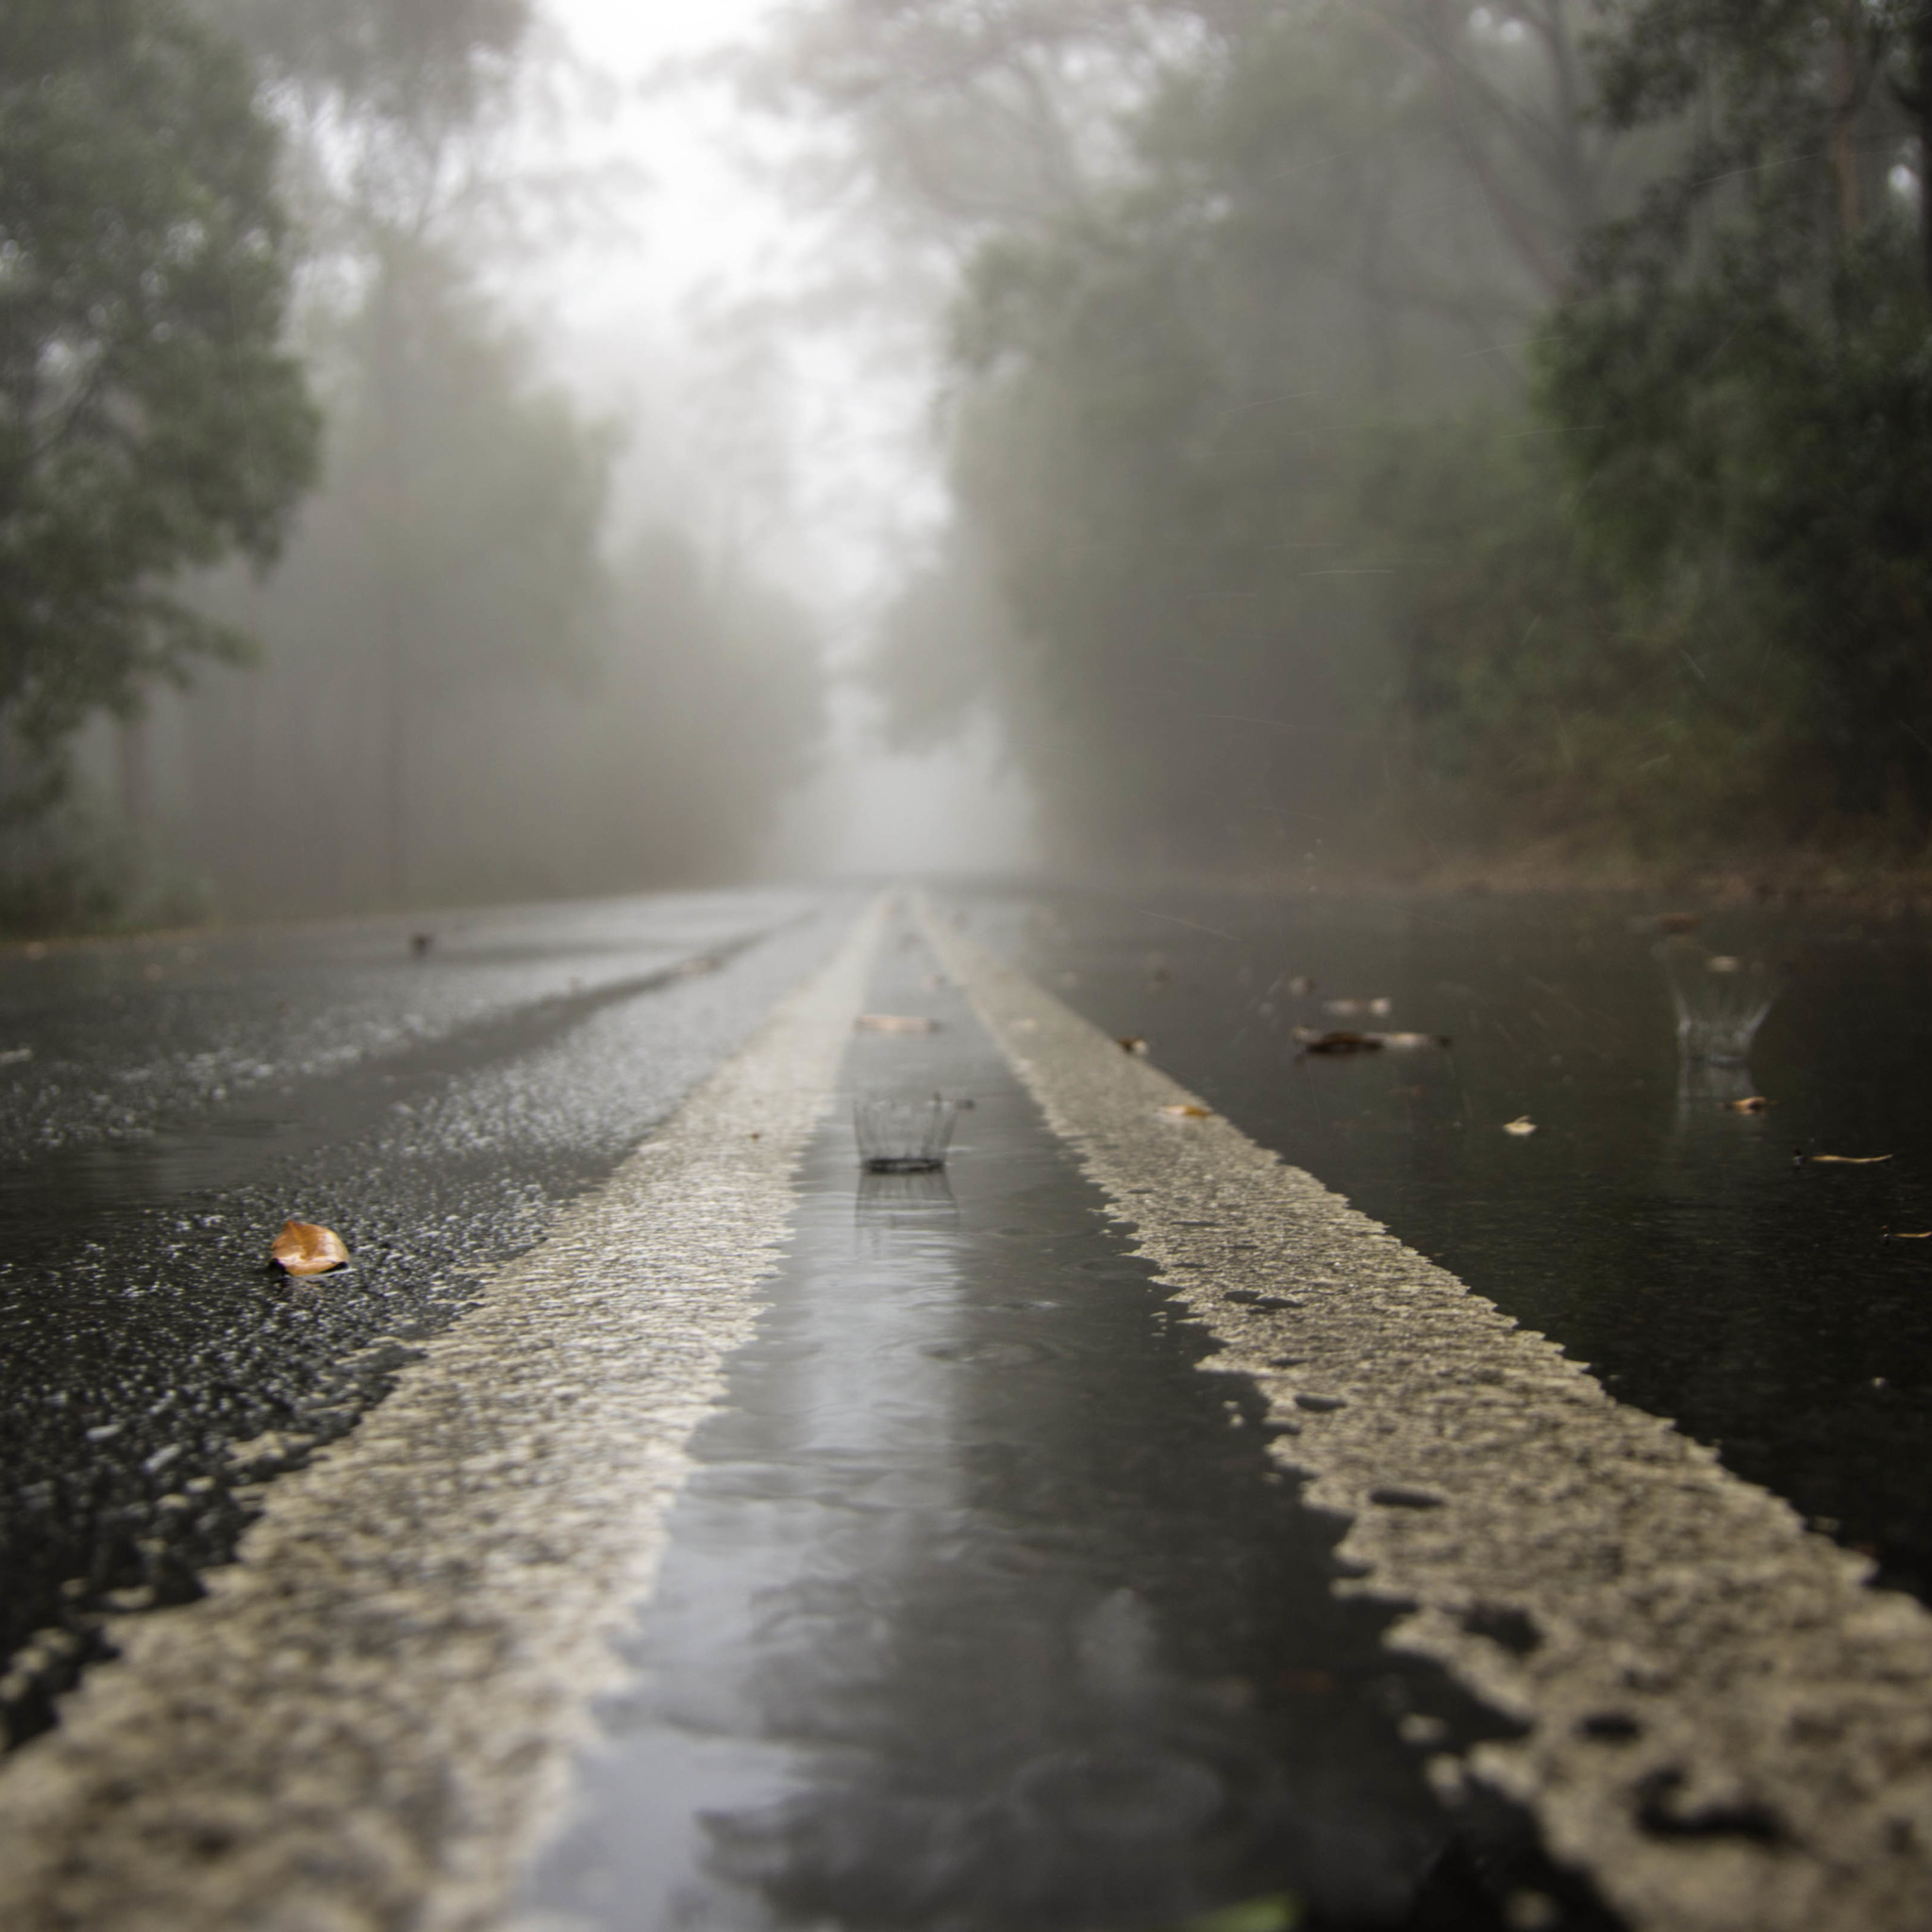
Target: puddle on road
x,y
985,1609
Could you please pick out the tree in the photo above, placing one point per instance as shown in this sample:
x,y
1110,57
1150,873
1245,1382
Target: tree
x,y
1743,373
470,690
1203,250
387,100
392,100
966,118
151,418
1166,397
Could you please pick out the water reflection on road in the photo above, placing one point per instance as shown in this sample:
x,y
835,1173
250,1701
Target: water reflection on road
x,y
986,1610
1657,1233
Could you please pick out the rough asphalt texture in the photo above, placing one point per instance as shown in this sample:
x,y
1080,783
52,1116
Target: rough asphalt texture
x,y
1727,1729
366,1720
154,1377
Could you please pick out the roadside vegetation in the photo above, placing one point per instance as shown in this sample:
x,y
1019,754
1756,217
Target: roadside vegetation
x,y
306,566
1422,430
1477,437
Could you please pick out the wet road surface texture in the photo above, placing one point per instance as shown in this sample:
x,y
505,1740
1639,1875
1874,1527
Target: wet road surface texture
x,y
1672,1243
180,1100
985,1609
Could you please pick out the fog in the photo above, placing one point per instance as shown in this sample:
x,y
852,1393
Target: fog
x,y
593,447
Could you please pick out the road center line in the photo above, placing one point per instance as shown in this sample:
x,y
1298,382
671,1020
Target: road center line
x,y
1727,1729
368,1719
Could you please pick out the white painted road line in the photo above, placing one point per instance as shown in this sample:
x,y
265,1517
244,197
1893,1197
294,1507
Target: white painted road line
x,y
1729,1731
368,1720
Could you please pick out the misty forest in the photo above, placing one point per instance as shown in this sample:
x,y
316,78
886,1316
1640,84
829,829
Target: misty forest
x,y
1406,434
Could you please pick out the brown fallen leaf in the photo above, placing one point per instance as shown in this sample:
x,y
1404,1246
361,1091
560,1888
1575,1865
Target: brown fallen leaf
x,y
303,1248
1187,1111
1751,1103
896,1023
1521,1126
1348,1010
1132,1042
1310,1041
1843,1160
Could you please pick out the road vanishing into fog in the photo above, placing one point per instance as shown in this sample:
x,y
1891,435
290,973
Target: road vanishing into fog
x,y
665,1525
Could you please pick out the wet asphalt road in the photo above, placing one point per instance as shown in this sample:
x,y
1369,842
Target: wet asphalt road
x,y
985,1609
1777,1308
167,1104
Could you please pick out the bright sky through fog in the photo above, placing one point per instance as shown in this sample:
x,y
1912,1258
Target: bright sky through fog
x,y
799,451
702,218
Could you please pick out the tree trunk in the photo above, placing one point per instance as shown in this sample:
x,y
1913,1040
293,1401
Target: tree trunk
x,y
1917,100
134,776
391,521
1848,95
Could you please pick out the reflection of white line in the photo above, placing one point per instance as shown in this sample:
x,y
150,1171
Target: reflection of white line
x,y
1729,1730
367,1720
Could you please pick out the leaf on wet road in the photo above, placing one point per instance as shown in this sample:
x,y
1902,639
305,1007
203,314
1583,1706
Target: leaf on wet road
x,y
303,1248
1346,1040
896,1023
1132,1042
1751,1103
1340,1040
1187,1111
1519,1126
1899,1234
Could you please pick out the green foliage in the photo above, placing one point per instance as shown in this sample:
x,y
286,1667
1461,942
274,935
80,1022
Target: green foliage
x,y
402,59
62,872
454,551
465,500
1542,700
1228,447
461,694
464,697
150,418
1167,400
1143,528
1743,379
385,99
